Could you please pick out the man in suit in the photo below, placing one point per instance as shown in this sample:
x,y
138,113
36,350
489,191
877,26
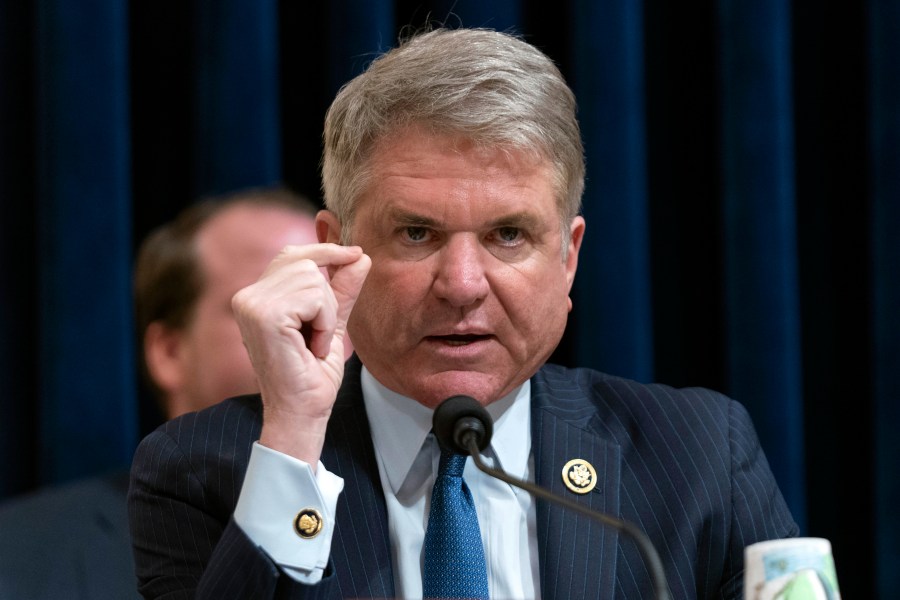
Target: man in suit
x,y
453,174
72,541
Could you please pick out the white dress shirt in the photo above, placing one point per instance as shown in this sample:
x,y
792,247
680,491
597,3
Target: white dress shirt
x,y
408,456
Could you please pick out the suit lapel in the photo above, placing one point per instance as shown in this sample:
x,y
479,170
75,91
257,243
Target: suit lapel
x,y
361,547
577,554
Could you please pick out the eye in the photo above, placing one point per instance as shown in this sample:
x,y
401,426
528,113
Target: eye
x,y
415,234
508,235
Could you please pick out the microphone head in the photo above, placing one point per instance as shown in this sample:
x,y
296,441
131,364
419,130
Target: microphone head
x,y
458,418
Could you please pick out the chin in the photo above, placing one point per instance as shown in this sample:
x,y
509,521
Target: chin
x,y
482,387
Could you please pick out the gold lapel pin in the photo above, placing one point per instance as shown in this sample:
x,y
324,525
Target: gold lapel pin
x,y
579,476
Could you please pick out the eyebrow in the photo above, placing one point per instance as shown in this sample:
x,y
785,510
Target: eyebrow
x,y
521,219
408,218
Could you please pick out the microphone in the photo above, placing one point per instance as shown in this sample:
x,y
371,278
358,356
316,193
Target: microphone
x,y
462,424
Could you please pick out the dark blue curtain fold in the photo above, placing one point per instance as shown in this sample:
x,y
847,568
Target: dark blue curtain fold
x,y
85,391
237,107
358,31
885,254
742,204
759,229
613,291
502,15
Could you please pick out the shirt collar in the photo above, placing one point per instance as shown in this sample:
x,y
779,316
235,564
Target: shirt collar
x,y
400,426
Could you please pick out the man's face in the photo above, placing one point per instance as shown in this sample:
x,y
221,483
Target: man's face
x,y
469,288
234,249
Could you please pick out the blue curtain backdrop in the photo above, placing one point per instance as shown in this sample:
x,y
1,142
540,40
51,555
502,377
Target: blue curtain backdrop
x,y
743,203
762,294
884,174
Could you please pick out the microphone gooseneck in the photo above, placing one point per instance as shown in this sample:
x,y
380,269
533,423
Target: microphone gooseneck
x,y
460,423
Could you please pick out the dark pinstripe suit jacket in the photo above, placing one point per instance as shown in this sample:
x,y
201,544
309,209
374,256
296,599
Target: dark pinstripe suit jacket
x,y
684,465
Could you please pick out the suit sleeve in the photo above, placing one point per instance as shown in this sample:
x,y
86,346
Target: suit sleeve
x,y
759,511
186,543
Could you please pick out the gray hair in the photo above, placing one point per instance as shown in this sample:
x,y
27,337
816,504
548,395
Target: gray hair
x,y
490,87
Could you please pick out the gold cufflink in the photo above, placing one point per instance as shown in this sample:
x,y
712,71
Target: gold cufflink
x,y
308,523
579,476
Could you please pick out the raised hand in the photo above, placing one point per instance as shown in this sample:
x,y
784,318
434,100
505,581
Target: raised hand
x,y
293,321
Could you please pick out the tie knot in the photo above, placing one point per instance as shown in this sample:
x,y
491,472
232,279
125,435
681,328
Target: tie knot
x,y
452,464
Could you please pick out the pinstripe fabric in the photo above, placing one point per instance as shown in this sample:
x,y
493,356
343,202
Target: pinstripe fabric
x,y
185,483
684,465
360,548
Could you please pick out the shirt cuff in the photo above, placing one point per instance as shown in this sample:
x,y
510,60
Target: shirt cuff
x,y
278,489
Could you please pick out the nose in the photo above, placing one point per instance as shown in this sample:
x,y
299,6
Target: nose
x,y
461,279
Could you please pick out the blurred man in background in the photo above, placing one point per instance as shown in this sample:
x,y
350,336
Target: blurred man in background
x,y
185,276
73,541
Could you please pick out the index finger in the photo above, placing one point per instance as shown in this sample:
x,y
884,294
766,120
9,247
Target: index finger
x,y
324,255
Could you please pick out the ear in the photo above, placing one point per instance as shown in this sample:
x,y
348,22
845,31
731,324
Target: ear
x,y
328,228
576,236
163,356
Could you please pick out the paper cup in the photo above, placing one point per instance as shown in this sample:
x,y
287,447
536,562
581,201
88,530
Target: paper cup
x,y
790,569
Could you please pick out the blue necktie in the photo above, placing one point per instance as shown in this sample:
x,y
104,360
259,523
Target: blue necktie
x,y
454,556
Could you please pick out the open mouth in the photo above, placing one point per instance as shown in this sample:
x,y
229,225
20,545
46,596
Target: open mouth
x,y
459,340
